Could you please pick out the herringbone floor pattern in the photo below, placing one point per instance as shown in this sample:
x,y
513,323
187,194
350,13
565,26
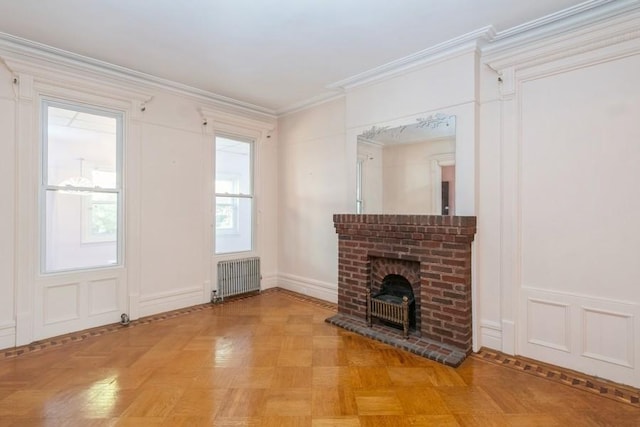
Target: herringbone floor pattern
x,y
271,360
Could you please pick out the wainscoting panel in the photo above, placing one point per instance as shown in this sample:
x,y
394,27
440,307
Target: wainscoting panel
x,y
608,336
78,300
591,335
61,303
103,296
548,324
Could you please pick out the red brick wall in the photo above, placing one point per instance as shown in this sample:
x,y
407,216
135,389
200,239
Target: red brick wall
x,y
442,247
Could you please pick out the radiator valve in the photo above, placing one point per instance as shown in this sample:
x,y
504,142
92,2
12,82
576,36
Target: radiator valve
x,y
124,319
214,297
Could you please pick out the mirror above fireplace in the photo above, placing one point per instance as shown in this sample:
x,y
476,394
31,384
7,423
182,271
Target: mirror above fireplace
x,y
408,169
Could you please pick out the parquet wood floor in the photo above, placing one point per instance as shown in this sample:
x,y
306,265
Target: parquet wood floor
x,y
271,360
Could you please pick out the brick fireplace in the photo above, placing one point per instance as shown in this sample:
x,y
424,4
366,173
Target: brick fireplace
x,y
433,253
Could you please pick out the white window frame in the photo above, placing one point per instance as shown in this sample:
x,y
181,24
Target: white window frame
x,y
237,195
45,187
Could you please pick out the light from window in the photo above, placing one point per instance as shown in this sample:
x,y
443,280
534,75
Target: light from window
x,y
234,195
81,187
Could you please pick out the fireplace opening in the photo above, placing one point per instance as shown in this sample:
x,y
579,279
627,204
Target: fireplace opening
x,y
394,305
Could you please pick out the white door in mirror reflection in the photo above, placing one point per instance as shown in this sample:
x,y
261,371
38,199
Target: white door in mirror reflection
x,y
443,172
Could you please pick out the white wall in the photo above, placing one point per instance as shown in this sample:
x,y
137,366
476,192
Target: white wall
x,y
7,209
172,212
578,218
313,186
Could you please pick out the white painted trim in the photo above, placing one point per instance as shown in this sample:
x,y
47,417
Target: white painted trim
x,y
490,335
217,117
629,362
567,324
621,369
269,281
509,337
170,295
485,38
309,103
7,335
167,301
611,26
562,17
55,56
134,306
26,204
9,326
585,297
313,288
460,45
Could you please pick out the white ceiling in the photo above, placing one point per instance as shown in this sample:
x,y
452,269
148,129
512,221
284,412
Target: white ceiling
x,y
269,53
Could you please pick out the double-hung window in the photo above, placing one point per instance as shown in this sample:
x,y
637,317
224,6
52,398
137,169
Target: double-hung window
x,y
81,187
234,195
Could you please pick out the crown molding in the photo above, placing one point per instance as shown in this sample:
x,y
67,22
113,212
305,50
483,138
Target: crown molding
x,y
42,54
611,25
583,18
463,44
488,41
560,16
218,115
309,103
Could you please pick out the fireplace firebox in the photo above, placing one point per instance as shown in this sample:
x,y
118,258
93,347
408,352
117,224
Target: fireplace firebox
x,y
394,304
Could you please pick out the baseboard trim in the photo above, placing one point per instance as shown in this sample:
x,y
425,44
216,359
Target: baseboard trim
x,y
490,334
7,335
313,288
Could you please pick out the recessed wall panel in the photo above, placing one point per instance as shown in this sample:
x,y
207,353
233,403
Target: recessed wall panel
x,y
548,324
608,336
103,296
61,303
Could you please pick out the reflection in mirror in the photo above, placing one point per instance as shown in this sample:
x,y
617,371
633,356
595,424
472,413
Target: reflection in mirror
x,y
408,169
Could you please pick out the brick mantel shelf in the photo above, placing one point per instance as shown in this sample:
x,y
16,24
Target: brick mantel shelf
x,y
433,252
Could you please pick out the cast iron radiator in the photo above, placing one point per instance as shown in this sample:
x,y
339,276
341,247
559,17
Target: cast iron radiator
x,y
238,276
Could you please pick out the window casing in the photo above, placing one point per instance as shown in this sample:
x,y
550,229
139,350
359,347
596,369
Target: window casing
x,y
234,198
81,187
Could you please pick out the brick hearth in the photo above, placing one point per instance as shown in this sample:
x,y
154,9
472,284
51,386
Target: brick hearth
x,y
433,253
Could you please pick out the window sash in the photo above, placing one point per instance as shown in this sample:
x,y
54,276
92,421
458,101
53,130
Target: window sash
x,y
236,199
80,188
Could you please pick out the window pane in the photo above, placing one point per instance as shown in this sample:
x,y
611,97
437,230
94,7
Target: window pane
x,y
80,223
233,166
80,232
100,220
81,148
233,224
